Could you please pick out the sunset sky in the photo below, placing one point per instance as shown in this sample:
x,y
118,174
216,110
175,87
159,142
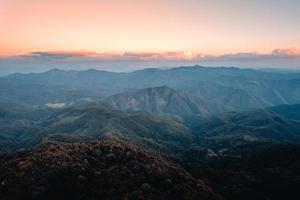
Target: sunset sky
x,y
186,28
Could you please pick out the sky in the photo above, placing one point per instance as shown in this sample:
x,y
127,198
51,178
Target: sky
x,y
258,33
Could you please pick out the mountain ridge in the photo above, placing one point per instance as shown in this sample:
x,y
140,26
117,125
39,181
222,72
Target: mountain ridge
x,y
255,88
163,99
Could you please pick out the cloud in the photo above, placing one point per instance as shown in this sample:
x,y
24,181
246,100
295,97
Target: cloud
x,y
287,52
141,54
173,55
55,55
106,56
43,60
176,56
62,54
275,55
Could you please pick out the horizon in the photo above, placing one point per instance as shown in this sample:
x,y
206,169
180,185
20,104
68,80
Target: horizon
x,y
270,70
284,59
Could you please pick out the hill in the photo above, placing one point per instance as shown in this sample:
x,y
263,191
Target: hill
x,y
76,124
288,111
265,172
227,133
96,170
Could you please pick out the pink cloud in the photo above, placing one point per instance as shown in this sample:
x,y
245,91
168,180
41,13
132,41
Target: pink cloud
x,y
288,52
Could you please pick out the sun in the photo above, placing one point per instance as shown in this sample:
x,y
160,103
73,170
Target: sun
x,y
188,54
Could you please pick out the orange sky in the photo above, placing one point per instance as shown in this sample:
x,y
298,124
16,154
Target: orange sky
x,y
209,26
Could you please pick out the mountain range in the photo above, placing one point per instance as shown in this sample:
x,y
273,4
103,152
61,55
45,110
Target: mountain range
x,y
23,129
239,89
178,133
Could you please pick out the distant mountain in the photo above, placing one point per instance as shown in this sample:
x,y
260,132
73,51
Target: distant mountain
x,y
97,170
164,100
231,98
240,89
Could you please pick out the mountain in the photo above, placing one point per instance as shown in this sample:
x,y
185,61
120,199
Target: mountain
x,y
179,133
234,99
96,170
19,128
24,129
164,100
229,132
92,123
240,89
98,122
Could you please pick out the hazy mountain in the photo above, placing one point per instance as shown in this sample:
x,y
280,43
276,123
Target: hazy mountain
x,y
164,100
240,89
231,98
